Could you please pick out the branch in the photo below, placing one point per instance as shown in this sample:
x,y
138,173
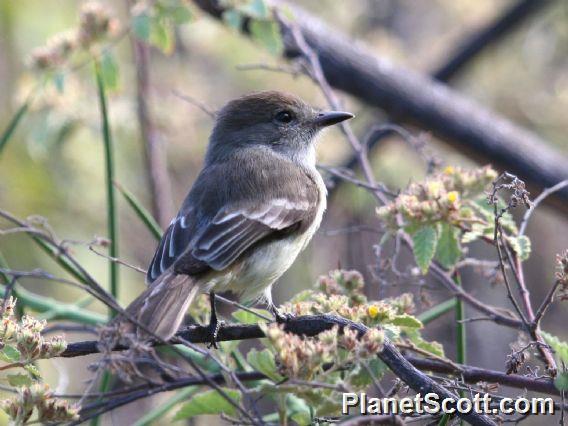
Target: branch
x,y
536,202
96,408
312,325
462,123
470,48
119,398
471,374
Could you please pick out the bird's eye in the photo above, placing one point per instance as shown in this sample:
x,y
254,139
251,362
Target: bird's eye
x,y
284,117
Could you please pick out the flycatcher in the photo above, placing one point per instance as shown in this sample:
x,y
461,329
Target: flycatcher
x,y
254,207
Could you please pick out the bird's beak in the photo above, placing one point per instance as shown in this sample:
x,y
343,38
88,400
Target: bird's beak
x,y
324,119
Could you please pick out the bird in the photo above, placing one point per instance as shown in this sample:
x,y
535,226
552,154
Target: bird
x,y
254,206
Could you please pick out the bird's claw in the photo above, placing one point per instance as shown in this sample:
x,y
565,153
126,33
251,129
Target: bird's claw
x,y
282,318
214,324
213,329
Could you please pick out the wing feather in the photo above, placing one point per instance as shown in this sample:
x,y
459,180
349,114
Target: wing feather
x,y
209,232
233,231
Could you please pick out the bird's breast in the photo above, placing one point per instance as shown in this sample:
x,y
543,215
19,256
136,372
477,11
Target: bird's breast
x,y
260,267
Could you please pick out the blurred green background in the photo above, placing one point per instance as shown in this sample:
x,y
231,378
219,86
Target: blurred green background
x,y
54,164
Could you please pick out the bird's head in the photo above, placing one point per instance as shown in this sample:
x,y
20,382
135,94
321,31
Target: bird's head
x,y
273,120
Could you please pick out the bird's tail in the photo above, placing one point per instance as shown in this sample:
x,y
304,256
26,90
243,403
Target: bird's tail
x,y
162,306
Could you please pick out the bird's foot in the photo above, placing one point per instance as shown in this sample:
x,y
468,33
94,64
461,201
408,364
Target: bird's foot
x,y
214,324
213,331
281,318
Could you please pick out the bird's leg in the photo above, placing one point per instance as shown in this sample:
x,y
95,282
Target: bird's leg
x,y
281,318
214,323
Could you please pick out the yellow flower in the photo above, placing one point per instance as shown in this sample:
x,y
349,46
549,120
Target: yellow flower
x,y
449,170
434,188
373,311
453,196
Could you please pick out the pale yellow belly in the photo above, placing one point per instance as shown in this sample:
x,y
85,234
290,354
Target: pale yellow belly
x,y
253,277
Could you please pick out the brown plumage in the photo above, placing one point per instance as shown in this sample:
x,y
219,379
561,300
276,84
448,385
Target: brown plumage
x,y
253,208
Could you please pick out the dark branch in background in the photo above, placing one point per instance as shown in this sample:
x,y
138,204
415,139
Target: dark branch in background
x,y
471,128
313,325
470,48
464,53
154,153
471,374
95,408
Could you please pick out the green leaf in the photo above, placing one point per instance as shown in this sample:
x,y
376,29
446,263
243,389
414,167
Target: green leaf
x,y
425,241
298,410
477,231
180,14
112,216
385,237
560,347
19,380
13,124
444,420
406,320
59,81
233,18
157,413
521,245
448,251
508,222
361,376
484,208
263,361
267,33
162,35
437,311
488,212
141,26
245,317
302,296
10,354
33,371
391,331
302,418
109,70
210,402
143,214
229,346
433,347
255,9
561,381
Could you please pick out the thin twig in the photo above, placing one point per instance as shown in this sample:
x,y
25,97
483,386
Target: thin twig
x,y
117,260
536,202
546,303
200,105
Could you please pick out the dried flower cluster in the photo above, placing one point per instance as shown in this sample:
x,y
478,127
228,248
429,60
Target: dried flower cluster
x,y
337,359
562,275
306,358
95,24
21,407
122,364
438,198
519,194
22,343
25,339
341,292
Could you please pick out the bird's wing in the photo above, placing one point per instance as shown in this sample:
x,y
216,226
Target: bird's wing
x,y
236,228
174,243
215,227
